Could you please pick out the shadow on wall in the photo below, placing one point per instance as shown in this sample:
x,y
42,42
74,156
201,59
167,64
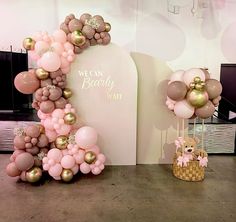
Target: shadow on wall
x,y
156,124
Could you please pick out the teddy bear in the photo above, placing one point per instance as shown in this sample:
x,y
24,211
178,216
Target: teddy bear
x,y
188,145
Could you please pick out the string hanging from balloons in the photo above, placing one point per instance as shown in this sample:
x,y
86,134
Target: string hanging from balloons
x,y
58,145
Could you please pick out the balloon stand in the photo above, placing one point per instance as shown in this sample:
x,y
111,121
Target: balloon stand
x,y
191,94
59,145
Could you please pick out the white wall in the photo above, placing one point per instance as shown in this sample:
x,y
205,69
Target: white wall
x,y
144,26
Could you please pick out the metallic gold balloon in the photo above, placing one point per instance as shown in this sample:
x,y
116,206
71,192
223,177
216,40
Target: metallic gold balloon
x,y
197,80
198,86
90,157
67,93
197,98
107,27
61,142
41,128
70,118
28,43
41,74
77,38
33,175
66,175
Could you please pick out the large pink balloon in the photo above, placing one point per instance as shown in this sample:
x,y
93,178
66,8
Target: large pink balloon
x,y
86,137
59,36
12,170
50,61
26,82
183,110
55,154
67,162
24,161
55,170
190,74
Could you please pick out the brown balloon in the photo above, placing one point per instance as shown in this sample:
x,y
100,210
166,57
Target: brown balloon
x,y
75,24
60,103
55,93
177,90
47,106
207,74
213,88
42,141
88,31
205,111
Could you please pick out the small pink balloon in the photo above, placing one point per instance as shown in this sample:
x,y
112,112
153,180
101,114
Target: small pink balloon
x,y
79,157
24,161
68,46
85,168
86,137
23,176
55,154
94,149
64,63
66,70
67,162
57,47
47,106
59,36
32,131
96,171
64,129
101,157
50,61
26,82
75,169
33,55
51,135
55,170
19,142
12,170
48,124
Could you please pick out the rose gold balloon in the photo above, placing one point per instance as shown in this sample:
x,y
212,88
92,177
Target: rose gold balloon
x,y
65,28
46,82
47,106
55,93
26,82
88,31
12,170
84,17
19,142
177,90
24,161
205,111
32,131
213,88
60,103
42,141
75,24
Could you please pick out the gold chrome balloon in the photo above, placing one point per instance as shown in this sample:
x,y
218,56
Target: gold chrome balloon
x,y
28,43
41,128
67,93
90,157
70,118
66,175
61,142
33,175
41,74
77,38
197,98
107,27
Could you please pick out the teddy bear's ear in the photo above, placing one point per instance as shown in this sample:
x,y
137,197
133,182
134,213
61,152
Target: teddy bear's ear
x,y
196,139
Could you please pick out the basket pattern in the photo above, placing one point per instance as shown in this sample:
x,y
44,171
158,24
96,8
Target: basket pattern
x,y
192,172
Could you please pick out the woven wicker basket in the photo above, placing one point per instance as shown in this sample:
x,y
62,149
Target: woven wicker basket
x,y
192,172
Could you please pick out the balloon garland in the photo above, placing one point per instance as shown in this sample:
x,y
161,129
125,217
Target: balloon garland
x,y
57,145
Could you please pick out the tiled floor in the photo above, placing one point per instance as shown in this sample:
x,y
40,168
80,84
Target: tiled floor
x,y
143,193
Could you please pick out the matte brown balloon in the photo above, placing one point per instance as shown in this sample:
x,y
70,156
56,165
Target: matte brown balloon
x,y
75,24
65,28
46,82
34,150
88,31
85,17
177,90
213,88
12,170
60,103
19,142
47,106
55,93
42,141
207,74
32,131
205,111
26,82
24,161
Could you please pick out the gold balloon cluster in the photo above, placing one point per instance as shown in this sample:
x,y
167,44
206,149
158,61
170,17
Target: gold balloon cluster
x,y
197,95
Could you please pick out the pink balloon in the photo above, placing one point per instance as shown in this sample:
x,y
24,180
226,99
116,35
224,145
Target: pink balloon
x,y
15,154
64,63
177,76
85,168
75,169
64,129
96,170
51,135
33,55
183,110
55,170
94,149
59,36
68,46
190,74
79,157
26,82
50,61
24,161
57,47
19,142
48,124
12,170
41,47
101,157
66,70
58,113
86,137
55,154
67,162
23,176
42,115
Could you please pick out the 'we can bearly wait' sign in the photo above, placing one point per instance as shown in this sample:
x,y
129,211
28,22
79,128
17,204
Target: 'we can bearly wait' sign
x,y
104,85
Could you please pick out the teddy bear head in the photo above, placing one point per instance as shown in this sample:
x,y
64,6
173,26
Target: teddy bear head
x,y
189,145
